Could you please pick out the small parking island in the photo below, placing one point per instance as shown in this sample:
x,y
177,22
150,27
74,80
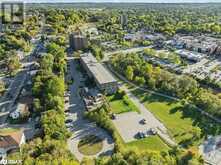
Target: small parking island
x,y
90,145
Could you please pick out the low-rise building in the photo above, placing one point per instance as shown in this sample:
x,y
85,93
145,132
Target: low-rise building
x,y
10,141
102,77
201,44
193,56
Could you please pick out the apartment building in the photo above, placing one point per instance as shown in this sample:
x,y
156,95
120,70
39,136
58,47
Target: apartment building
x,y
102,77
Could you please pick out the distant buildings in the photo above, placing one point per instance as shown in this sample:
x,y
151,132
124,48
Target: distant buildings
x,y
193,56
201,44
123,20
131,37
156,37
78,41
20,54
10,141
102,77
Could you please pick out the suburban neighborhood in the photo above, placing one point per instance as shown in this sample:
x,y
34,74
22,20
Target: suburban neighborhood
x,y
110,84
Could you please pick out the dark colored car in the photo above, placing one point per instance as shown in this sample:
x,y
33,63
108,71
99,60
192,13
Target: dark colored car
x,y
143,121
68,120
38,125
140,135
113,116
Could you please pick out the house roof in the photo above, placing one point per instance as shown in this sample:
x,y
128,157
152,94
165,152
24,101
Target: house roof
x,y
9,139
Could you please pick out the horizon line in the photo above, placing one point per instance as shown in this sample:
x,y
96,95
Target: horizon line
x,y
119,2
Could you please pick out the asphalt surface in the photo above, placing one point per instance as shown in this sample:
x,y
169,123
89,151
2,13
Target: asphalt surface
x,y
81,126
8,100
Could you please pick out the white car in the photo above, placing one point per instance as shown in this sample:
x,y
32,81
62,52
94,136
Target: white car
x,y
68,125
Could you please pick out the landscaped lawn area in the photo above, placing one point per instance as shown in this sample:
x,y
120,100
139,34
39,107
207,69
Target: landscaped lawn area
x,y
90,145
121,103
8,130
184,124
151,143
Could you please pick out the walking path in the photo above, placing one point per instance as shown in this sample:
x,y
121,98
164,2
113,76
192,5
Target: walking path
x,y
161,94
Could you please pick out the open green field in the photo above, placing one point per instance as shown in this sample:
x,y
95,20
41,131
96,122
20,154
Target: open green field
x,y
121,104
151,143
185,124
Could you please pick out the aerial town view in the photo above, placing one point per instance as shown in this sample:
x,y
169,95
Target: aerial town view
x,y
101,82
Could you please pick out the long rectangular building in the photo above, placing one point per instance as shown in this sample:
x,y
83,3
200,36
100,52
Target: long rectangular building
x,y
102,77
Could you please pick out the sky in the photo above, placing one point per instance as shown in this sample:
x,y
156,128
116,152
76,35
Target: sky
x,y
124,1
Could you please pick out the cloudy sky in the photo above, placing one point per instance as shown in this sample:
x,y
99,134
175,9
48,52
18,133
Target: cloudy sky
x,y
143,1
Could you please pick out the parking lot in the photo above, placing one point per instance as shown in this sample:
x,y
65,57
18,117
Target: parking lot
x,y
129,124
75,121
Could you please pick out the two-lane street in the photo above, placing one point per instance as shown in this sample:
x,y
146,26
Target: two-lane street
x,y
8,100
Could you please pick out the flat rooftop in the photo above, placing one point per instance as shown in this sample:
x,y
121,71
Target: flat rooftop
x,y
100,73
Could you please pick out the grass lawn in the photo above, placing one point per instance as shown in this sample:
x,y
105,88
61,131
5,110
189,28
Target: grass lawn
x,y
8,130
120,104
90,145
151,143
184,124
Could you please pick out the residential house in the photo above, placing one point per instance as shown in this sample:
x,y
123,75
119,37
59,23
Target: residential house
x,y
10,141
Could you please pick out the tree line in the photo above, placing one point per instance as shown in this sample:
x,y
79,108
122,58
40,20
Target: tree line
x,y
135,69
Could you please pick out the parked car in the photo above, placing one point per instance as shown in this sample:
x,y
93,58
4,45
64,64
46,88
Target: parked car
x,y
153,131
37,126
68,121
113,116
68,125
140,135
143,121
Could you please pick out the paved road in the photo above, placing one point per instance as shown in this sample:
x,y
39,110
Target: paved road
x,y
81,126
7,101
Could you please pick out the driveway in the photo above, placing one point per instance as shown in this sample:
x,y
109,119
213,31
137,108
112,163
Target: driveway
x,y
82,127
